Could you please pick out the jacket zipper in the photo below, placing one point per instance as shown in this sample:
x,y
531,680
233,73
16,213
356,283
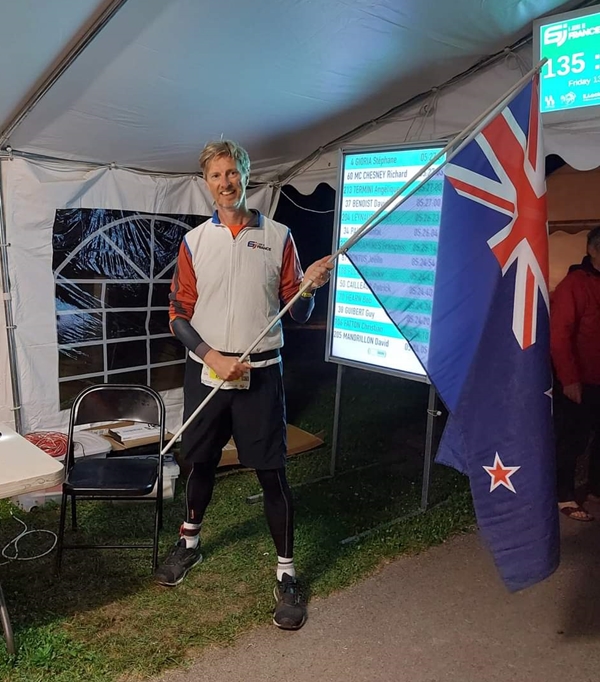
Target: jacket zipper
x,y
233,262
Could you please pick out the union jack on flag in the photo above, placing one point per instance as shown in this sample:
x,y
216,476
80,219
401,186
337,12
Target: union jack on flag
x,y
519,191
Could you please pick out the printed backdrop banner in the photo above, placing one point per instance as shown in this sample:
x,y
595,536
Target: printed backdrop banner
x,y
38,196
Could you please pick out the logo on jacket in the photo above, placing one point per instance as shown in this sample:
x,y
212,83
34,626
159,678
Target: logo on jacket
x,y
258,245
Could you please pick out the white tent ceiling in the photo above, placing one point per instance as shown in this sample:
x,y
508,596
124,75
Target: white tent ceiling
x,y
283,77
162,77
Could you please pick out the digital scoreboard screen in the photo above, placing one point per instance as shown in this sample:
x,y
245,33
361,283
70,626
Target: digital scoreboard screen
x,y
360,333
570,79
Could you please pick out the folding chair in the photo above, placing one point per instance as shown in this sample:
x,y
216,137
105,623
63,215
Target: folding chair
x,y
119,477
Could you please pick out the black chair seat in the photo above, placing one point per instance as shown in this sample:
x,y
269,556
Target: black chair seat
x,y
114,476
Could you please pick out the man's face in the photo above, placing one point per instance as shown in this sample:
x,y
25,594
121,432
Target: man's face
x,y
227,183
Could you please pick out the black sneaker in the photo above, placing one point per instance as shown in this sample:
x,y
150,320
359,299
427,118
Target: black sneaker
x,y
177,564
290,612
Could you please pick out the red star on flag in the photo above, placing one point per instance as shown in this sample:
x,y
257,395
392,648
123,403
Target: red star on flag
x,y
500,475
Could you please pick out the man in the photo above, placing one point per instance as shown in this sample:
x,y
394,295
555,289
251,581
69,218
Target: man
x,y
232,273
575,346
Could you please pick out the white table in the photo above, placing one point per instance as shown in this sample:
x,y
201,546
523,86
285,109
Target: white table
x,y
24,468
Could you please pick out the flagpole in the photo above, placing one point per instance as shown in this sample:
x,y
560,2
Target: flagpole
x,y
465,136
468,134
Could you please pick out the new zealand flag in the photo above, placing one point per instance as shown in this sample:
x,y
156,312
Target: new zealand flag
x,y
488,353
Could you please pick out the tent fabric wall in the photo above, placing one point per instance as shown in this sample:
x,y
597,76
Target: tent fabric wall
x,y
573,209
565,250
33,192
447,111
573,198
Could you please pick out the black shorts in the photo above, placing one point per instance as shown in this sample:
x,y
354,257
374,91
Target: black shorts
x,y
255,417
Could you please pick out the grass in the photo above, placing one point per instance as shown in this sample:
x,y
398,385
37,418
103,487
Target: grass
x,y
105,621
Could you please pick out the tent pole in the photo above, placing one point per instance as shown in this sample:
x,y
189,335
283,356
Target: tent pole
x,y
57,70
8,315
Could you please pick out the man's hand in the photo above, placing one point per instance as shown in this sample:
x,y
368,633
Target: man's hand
x,y
226,367
318,273
573,392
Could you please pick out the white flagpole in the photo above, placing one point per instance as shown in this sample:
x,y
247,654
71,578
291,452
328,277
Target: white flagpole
x,y
452,148
463,138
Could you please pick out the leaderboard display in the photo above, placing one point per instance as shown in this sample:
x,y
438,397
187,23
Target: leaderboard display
x,y
360,331
570,42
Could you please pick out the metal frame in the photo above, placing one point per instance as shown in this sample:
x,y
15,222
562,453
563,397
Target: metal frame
x,y
8,316
6,626
97,494
432,414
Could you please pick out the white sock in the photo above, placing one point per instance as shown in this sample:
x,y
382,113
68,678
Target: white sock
x,y
190,532
285,565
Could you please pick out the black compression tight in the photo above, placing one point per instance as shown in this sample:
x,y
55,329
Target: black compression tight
x,y
199,490
279,509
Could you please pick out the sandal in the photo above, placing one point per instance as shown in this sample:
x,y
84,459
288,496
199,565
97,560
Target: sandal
x,y
571,511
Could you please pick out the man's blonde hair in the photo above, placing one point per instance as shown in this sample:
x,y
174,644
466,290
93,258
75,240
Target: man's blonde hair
x,y
213,150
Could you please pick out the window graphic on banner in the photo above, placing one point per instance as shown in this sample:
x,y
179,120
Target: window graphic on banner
x,y
361,331
112,273
571,76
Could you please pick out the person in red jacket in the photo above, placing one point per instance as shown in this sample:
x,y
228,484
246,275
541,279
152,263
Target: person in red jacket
x,y
575,348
